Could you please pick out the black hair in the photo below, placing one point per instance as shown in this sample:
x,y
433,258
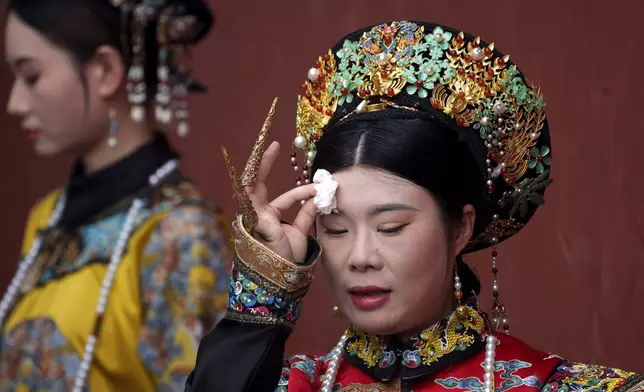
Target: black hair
x,y
417,147
80,27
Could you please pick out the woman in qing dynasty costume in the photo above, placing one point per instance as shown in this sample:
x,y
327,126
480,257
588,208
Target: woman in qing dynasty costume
x,y
437,146
122,270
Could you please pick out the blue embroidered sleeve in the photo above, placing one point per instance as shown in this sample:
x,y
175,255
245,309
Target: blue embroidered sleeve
x,y
245,352
184,283
572,376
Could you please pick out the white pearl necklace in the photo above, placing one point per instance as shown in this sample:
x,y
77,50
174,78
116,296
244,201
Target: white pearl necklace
x,y
108,280
332,370
336,357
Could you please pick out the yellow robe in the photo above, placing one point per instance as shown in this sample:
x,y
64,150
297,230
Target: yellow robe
x,y
169,288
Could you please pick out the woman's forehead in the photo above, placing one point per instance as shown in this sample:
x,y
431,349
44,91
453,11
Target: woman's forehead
x,y
361,188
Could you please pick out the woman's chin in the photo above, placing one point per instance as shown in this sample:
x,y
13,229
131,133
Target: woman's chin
x,y
375,322
45,148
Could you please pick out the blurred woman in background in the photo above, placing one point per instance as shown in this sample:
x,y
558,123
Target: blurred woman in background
x,y
122,270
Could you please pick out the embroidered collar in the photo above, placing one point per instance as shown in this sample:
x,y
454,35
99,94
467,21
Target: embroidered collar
x,y
448,341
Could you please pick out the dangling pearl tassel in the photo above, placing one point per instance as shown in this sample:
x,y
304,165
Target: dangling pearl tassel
x,y
490,353
334,363
16,282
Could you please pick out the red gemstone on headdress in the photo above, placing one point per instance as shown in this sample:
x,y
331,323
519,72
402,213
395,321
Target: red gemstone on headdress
x,y
307,95
487,52
461,95
327,57
471,75
328,69
329,112
460,121
315,137
321,78
420,84
494,156
384,74
344,91
490,73
317,64
387,40
391,92
452,52
437,105
459,39
304,87
461,71
501,63
481,82
362,93
317,94
490,188
475,44
488,93
468,58
319,108
479,65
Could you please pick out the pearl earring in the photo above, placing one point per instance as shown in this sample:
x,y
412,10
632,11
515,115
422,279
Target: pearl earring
x,y
112,129
461,312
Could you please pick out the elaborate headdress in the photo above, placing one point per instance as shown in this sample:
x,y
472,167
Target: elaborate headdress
x,y
478,92
173,25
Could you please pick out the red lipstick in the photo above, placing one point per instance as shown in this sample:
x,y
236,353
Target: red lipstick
x,y
369,297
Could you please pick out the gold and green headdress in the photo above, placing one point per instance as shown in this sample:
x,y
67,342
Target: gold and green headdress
x,y
433,69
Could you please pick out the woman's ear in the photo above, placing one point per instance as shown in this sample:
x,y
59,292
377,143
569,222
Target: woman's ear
x,y
464,229
106,71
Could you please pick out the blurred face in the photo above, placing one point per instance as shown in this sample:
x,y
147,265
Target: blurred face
x,y
48,93
387,255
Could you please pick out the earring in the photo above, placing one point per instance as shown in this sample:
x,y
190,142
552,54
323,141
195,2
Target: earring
x,y
461,312
499,315
336,310
112,129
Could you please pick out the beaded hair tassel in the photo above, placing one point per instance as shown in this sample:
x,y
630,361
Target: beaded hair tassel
x,y
136,75
163,113
499,315
172,89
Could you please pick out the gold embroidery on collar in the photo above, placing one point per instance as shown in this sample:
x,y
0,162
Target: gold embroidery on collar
x,y
437,341
448,335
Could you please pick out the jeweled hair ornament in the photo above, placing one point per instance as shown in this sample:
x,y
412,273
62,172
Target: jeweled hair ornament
x,y
176,24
